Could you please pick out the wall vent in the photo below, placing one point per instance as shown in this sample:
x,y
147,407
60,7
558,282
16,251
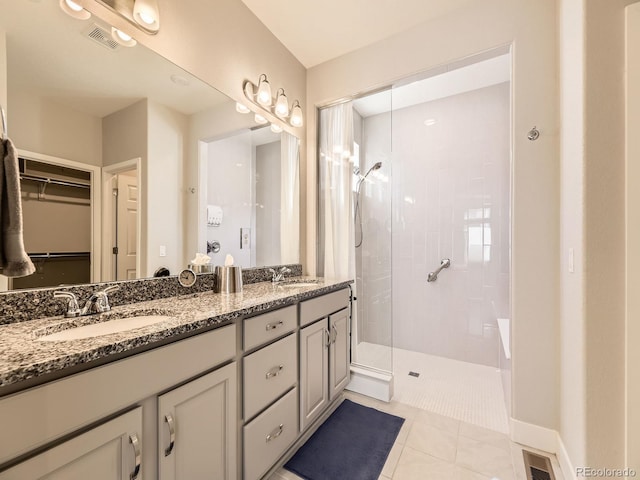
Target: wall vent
x,y
537,467
101,36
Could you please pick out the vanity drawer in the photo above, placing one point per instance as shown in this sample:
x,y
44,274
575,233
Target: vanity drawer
x,y
268,373
269,435
268,326
323,306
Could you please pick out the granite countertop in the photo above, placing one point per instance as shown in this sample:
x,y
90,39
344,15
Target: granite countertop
x,y
23,357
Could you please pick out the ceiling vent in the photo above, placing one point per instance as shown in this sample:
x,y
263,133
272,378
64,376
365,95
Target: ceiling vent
x,y
101,36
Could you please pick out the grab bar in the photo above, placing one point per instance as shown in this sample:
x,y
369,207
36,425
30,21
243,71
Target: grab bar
x,y
433,276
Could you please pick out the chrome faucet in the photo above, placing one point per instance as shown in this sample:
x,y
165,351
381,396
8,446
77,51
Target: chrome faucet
x,y
98,302
279,275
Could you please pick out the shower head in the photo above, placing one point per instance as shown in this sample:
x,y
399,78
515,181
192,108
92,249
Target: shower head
x,y
376,166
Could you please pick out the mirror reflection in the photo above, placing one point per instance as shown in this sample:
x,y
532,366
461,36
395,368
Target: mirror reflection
x,y
130,164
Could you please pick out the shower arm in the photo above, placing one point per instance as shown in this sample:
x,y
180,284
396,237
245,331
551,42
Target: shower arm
x,y
433,276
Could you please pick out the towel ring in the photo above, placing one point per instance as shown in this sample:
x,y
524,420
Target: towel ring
x,y
3,133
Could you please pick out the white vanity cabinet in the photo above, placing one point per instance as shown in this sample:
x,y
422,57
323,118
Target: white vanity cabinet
x,y
324,352
79,408
197,428
110,451
270,396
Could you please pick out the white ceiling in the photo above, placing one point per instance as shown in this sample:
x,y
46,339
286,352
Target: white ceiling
x,y
317,31
50,56
459,80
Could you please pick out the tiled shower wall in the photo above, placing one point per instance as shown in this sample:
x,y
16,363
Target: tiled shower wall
x,y
450,199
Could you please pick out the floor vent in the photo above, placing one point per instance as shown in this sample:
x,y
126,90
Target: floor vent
x,y
537,467
414,374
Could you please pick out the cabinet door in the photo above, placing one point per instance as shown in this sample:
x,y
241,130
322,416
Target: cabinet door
x,y
110,451
338,352
314,383
197,428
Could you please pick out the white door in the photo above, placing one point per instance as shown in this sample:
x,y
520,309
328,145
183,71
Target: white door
x,y
338,352
110,451
197,428
314,363
127,226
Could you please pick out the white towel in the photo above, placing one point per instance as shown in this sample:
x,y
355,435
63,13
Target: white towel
x,y
14,261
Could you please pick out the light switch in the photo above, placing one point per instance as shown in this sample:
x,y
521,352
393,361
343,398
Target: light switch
x,y
163,250
571,261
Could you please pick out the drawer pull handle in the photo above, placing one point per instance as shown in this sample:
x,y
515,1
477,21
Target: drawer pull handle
x,y
172,434
133,439
273,326
335,333
274,372
276,433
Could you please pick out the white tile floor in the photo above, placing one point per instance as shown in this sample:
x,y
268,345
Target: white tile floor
x,y
432,446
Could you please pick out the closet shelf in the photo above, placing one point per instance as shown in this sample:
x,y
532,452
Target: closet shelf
x,y
53,181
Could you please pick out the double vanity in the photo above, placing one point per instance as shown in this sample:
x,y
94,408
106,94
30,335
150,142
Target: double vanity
x,y
216,386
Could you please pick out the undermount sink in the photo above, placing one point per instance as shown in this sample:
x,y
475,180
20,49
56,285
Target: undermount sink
x,y
299,284
98,329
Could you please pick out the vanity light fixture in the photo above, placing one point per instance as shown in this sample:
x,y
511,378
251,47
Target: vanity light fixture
x,y
241,108
147,15
263,96
275,128
260,96
122,38
74,10
296,115
260,119
282,105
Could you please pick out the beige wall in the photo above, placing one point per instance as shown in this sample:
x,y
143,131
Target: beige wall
x,y
573,406
165,194
531,28
633,235
42,126
604,231
3,71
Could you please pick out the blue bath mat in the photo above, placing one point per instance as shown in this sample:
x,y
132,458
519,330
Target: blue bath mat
x,y
352,444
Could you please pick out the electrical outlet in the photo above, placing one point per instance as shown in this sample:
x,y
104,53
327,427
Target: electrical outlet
x,y
163,250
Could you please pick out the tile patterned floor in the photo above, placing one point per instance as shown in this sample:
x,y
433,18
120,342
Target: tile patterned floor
x,y
431,446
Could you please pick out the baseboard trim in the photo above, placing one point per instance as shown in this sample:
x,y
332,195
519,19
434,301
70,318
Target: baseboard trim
x,y
371,383
545,439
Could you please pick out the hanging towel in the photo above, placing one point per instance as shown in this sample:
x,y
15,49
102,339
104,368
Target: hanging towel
x,y
14,261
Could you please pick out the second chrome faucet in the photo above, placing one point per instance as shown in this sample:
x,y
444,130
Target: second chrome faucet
x,y
98,302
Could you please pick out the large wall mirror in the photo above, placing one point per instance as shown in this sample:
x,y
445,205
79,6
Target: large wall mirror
x,y
129,164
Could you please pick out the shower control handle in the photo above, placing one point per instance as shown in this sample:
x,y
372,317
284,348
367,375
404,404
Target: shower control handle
x,y
433,276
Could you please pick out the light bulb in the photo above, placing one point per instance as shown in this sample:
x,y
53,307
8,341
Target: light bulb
x,y
260,119
276,128
74,6
264,92
282,105
74,10
240,108
146,14
296,115
122,38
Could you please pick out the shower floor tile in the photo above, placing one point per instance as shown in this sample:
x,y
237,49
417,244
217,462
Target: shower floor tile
x,y
464,391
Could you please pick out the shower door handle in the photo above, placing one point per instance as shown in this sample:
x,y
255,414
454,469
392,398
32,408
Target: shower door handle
x,y
433,276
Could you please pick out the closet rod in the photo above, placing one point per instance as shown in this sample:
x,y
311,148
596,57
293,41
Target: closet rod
x,y
53,181
40,256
